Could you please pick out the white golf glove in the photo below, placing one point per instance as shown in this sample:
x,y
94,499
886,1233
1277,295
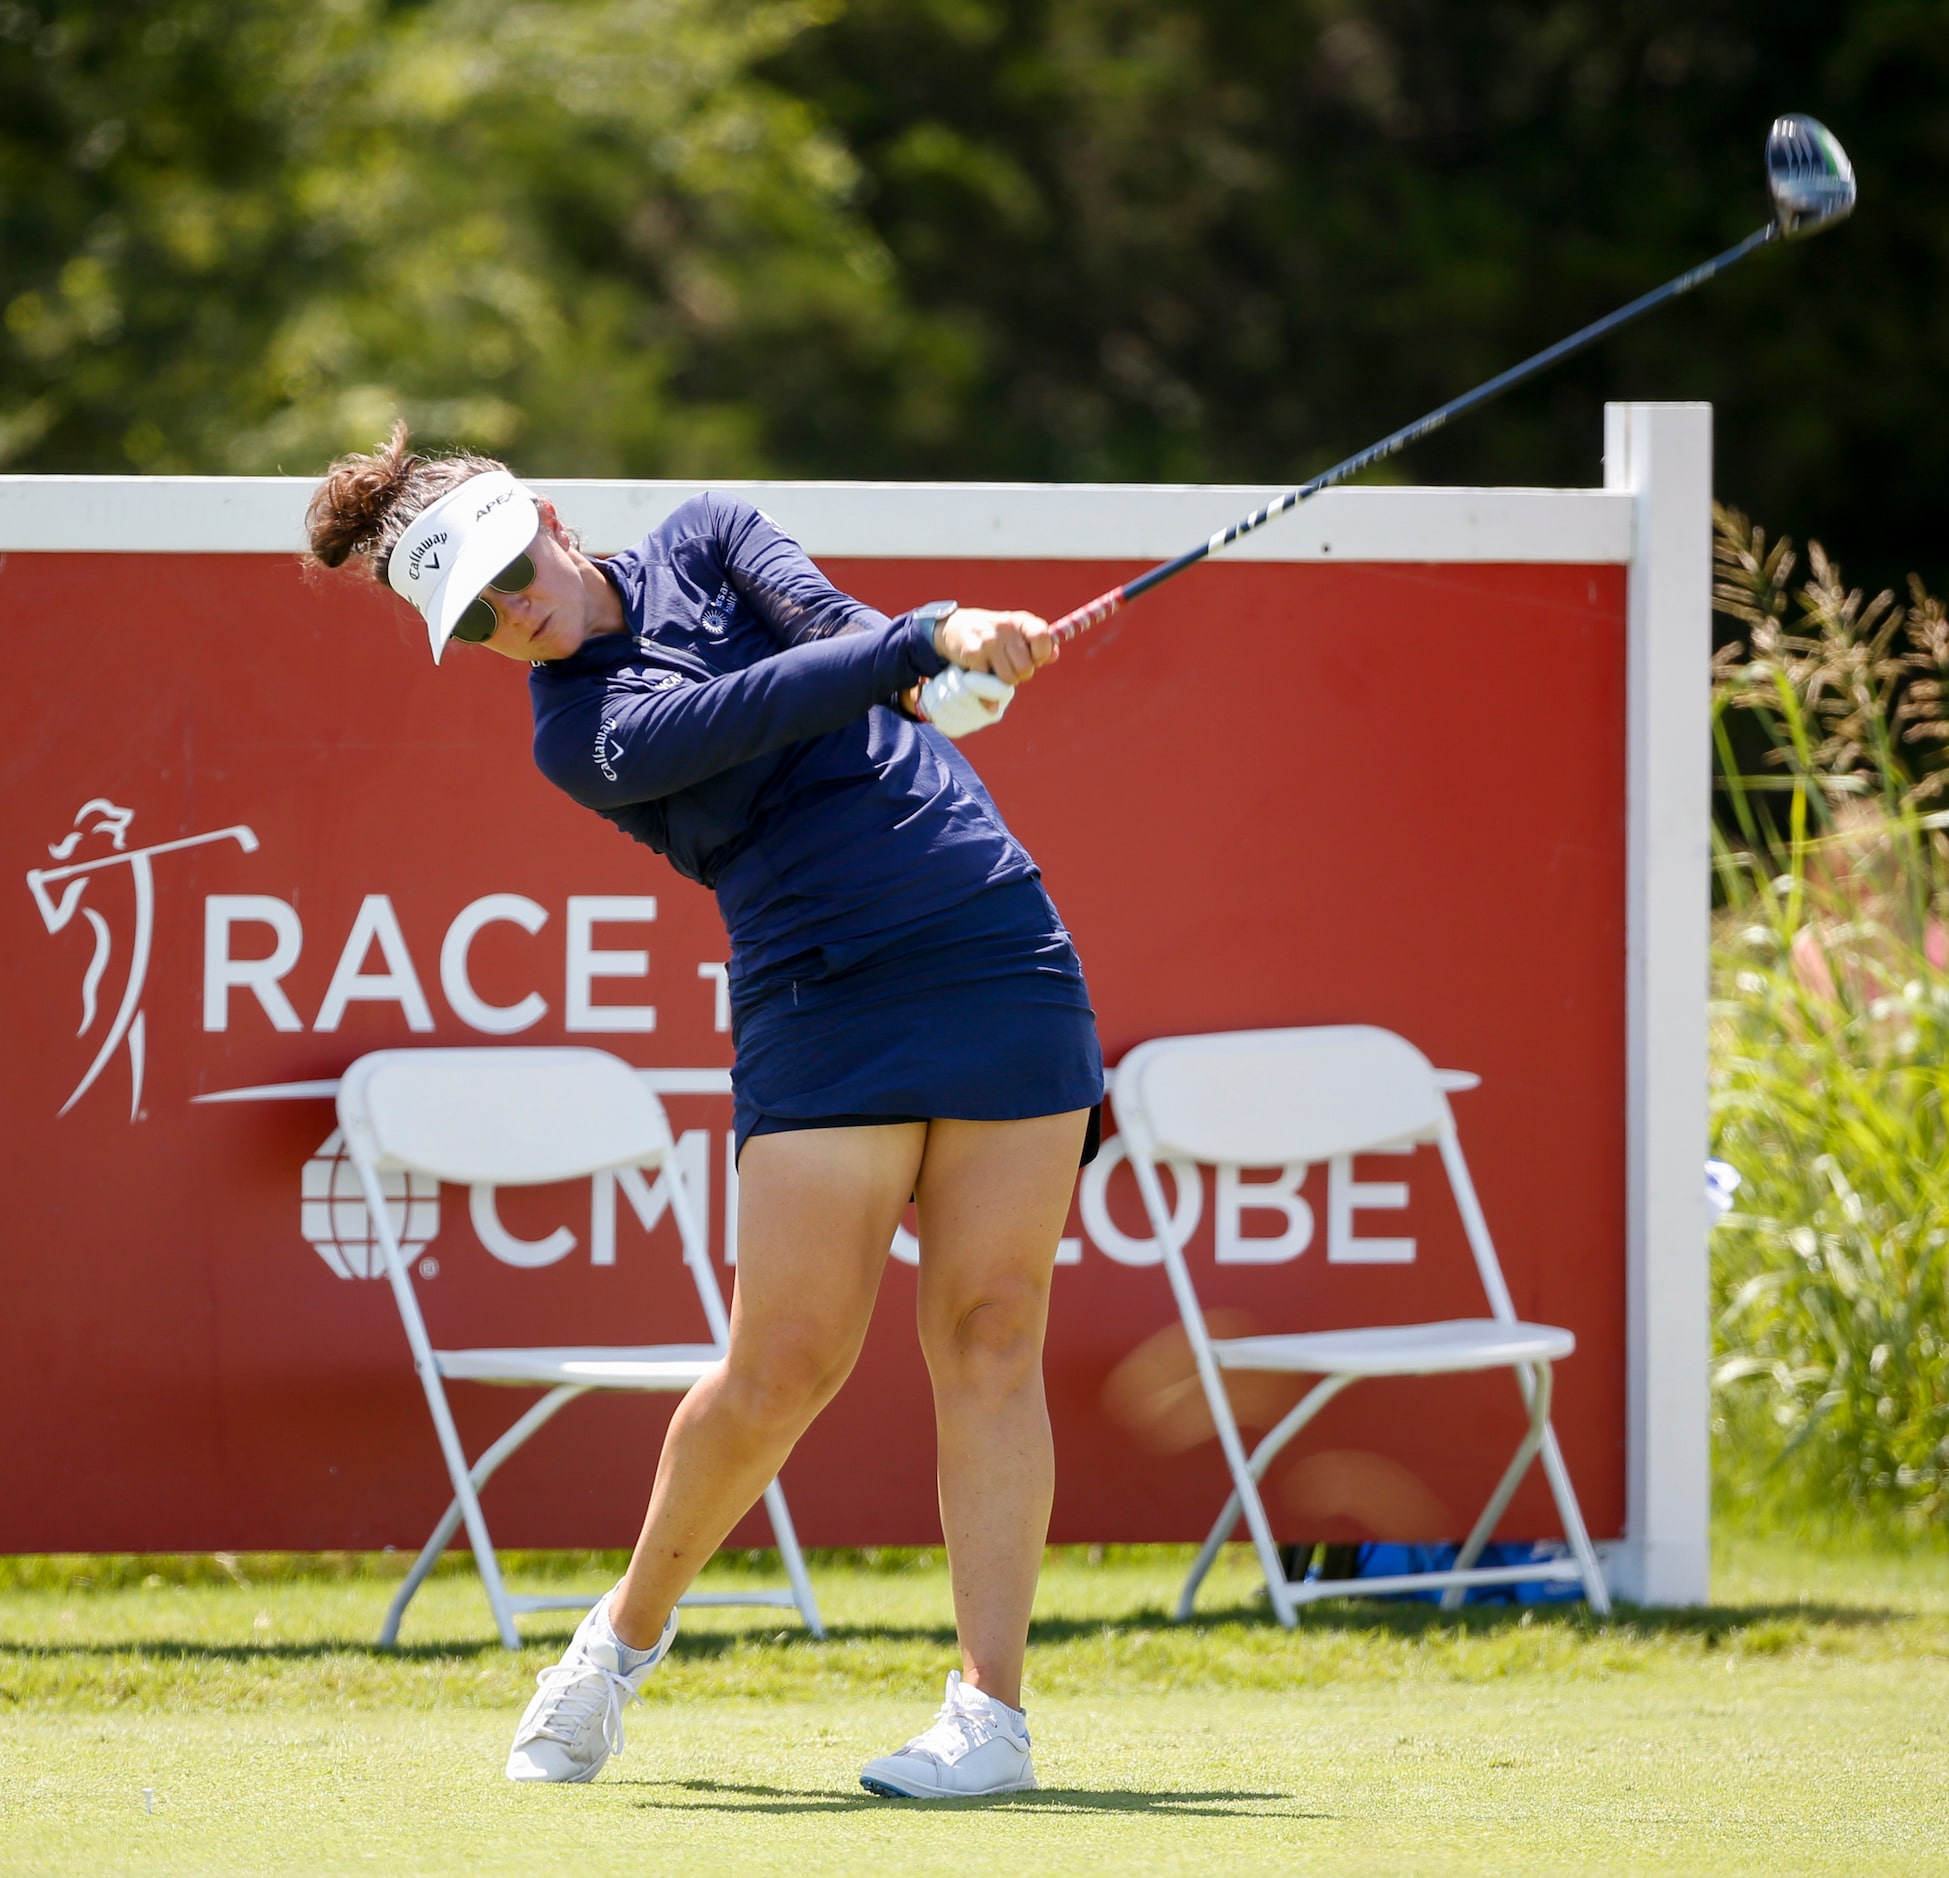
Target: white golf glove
x,y
959,703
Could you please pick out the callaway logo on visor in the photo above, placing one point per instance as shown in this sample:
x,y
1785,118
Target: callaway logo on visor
x,y
424,560
460,544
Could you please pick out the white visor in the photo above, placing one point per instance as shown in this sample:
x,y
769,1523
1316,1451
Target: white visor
x,y
453,549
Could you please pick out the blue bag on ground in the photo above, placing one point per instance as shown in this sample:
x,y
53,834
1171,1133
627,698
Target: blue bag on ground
x,y
1382,1560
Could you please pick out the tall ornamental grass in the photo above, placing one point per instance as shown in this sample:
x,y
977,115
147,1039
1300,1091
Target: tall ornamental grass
x,y
1830,1043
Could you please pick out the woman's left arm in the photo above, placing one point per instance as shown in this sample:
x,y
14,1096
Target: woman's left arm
x,y
777,579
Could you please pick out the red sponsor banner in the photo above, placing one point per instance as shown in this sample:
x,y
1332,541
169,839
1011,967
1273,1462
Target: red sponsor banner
x,y
256,834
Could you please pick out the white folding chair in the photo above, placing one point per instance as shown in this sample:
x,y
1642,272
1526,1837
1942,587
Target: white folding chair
x,y
526,1117
1262,1098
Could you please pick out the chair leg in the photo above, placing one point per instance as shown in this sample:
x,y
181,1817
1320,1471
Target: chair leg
x,y
485,1561
1207,1555
1574,1530
479,1474
1267,1548
792,1559
378,1214
1214,1386
1536,1388
430,1555
1263,1456
1247,1491
1537,1393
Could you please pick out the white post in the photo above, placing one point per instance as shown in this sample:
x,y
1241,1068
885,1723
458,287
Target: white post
x,y
1662,454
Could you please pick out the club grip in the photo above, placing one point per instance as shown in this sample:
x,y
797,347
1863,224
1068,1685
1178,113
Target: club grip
x,y
1090,613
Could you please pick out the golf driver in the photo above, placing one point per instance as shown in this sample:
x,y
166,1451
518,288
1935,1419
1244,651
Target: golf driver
x,y
1812,185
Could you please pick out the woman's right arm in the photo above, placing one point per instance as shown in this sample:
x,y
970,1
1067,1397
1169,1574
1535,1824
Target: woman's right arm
x,y
633,745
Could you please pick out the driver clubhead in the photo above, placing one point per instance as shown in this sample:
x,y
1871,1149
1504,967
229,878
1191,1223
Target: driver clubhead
x,y
1811,180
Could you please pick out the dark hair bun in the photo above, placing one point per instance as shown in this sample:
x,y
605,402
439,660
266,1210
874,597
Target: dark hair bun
x,y
350,508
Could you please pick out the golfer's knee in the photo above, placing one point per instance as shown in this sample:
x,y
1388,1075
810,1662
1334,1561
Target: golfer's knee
x,y
781,1380
990,1342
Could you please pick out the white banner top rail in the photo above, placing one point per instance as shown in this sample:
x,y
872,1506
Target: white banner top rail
x,y
918,521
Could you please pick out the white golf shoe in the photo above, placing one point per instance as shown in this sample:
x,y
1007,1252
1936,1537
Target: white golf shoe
x,y
976,1746
575,1721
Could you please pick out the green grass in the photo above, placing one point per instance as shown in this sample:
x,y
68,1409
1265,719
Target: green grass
x,y
1796,1726
1830,1044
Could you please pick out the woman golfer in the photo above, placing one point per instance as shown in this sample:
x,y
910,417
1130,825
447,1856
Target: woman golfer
x,y
908,1015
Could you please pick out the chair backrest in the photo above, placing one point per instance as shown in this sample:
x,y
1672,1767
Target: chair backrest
x,y
1260,1098
513,1116
506,1117
1266,1098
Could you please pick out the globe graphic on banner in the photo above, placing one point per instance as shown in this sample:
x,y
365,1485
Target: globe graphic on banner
x,y
332,1214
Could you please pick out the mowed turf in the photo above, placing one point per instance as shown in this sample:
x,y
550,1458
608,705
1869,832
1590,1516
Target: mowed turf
x,y
1800,1725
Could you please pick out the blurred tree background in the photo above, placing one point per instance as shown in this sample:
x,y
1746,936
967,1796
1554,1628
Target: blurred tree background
x,y
967,238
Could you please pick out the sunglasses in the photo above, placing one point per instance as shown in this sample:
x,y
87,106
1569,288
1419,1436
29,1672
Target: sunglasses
x,y
477,624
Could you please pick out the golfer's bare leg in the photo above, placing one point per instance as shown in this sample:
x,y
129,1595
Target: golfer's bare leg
x,y
816,1213
993,1197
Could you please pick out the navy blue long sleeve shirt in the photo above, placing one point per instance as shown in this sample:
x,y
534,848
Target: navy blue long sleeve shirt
x,y
741,726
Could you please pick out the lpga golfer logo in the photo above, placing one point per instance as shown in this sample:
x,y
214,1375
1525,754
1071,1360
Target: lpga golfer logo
x,y
101,820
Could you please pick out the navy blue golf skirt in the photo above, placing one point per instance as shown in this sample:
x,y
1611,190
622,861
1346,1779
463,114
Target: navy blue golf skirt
x,y
980,1014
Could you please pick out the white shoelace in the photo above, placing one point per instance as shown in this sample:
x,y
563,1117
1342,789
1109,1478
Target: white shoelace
x,y
952,1734
572,1691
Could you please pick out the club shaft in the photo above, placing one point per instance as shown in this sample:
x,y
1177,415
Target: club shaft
x,y
1094,612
